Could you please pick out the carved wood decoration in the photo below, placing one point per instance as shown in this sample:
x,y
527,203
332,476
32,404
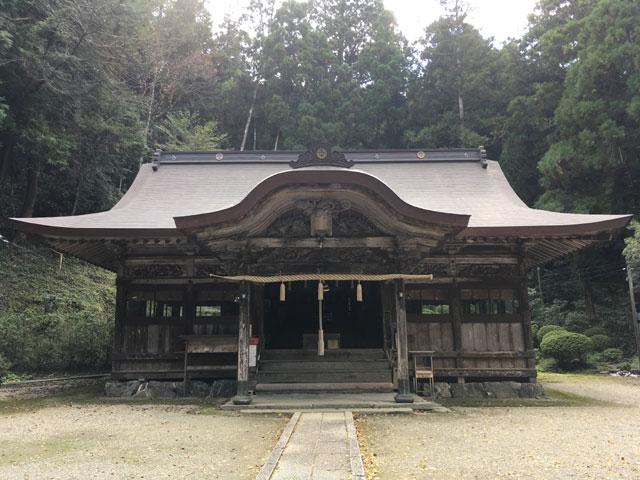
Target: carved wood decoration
x,y
479,270
321,154
345,222
353,224
293,224
310,260
156,271
385,218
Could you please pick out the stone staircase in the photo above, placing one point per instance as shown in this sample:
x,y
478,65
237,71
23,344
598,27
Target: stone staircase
x,y
347,370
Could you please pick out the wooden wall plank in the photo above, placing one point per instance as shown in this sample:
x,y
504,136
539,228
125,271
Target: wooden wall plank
x,y
518,337
153,339
435,336
504,338
466,337
479,337
446,336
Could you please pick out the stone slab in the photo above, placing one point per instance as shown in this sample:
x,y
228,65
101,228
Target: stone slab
x,y
323,446
278,402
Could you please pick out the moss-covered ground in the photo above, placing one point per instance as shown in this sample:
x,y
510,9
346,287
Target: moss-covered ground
x,y
54,317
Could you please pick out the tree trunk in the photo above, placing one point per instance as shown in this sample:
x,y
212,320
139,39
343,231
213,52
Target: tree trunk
x,y
255,135
77,197
147,125
33,176
5,168
249,117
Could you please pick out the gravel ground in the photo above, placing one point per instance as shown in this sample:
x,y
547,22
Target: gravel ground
x,y
133,442
598,441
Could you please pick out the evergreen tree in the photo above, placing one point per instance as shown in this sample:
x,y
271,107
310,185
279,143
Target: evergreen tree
x,y
594,159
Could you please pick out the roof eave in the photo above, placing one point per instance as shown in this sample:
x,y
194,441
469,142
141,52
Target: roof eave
x,y
532,231
33,227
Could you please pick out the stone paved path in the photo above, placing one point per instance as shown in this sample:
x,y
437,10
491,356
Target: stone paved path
x,y
319,446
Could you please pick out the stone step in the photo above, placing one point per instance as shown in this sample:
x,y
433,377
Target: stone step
x,y
347,387
381,375
312,355
322,366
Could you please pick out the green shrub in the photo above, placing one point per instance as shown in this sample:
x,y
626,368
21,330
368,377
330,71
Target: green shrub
x,y
590,332
547,329
548,365
625,366
534,332
567,348
5,365
594,358
600,342
538,355
612,355
90,341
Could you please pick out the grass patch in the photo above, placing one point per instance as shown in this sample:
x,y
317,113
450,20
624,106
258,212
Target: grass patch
x,y
94,395
551,378
556,398
24,452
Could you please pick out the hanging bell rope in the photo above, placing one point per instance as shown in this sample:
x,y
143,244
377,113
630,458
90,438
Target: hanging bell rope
x,y
359,292
320,290
321,277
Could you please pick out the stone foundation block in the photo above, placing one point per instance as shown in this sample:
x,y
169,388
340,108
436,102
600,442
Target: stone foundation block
x,y
161,389
502,389
443,390
467,390
196,389
224,388
532,390
121,389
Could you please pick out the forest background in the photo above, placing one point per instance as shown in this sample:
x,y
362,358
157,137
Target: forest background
x,y
90,88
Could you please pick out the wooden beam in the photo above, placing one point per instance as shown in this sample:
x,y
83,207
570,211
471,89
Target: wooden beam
x,y
491,355
479,259
329,242
120,314
404,395
242,395
526,313
189,307
486,372
456,317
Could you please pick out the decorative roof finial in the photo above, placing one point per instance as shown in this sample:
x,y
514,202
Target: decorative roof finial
x,y
321,154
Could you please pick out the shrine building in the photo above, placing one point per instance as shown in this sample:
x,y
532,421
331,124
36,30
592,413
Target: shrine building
x,y
334,267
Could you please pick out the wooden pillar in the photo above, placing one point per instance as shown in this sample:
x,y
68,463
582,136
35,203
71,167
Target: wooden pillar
x,y
456,316
526,317
257,311
242,395
120,318
189,308
121,315
404,395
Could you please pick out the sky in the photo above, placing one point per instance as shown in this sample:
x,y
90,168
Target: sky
x,y
500,19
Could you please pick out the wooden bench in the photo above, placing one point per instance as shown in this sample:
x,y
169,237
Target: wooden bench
x,y
423,369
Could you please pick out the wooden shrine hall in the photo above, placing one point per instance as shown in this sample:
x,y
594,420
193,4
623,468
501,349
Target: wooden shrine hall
x,y
285,267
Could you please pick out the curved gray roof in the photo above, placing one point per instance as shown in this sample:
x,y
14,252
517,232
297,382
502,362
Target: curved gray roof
x,y
187,184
